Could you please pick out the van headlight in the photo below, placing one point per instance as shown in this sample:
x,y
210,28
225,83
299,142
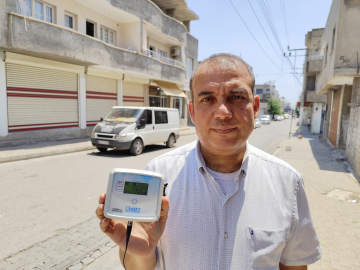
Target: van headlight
x,y
93,135
120,137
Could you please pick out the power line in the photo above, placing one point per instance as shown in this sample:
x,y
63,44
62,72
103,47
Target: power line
x,y
282,6
282,59
252,33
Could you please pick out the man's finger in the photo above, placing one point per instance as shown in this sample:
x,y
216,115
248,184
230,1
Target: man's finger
x,y
100,212
102,198
104,226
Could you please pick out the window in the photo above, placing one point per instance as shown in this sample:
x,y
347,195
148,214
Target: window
x,y
177,104
107,35
90,28
333,39
161,117
28,5
162,102
258,91
69,21
39,10
189,68
149,117
42,11
162,54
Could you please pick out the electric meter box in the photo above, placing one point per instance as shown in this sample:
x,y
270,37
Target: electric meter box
x,y
134,195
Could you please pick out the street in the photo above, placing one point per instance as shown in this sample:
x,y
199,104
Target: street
x,y
43,198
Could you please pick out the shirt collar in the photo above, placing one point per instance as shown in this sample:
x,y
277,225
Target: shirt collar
x,y
201,162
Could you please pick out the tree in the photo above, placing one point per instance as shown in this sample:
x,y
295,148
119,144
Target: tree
x,y
274,107
297,111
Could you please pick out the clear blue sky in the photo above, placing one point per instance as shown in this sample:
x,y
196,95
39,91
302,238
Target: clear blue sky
x,y
221,30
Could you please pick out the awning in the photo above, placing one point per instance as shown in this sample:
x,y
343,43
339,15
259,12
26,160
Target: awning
x,y
170,89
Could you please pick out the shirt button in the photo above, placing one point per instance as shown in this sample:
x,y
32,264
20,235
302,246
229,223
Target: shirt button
x,y
226,235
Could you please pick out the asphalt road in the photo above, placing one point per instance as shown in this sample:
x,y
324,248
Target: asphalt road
x,y
41,197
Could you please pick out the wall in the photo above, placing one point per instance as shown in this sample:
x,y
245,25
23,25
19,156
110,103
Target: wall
x,y
131,36
316,118
353,137
327,115
328,69
158,45
345,115
334,117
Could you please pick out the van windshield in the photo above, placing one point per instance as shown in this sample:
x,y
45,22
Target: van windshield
x,y
123,115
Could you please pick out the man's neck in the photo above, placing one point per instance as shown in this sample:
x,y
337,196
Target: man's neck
x,y
221,163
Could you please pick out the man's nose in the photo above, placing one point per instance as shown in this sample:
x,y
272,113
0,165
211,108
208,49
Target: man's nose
x,y
223,112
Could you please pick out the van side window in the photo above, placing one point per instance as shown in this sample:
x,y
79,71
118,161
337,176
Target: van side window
x,y
149,117
161,117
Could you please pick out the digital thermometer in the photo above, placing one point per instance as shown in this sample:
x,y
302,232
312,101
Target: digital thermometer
x,y
134,195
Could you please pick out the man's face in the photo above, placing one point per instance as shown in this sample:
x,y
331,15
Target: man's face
x,y
223,108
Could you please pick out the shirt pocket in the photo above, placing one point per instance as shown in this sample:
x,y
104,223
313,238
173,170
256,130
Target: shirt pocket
x,y
264,248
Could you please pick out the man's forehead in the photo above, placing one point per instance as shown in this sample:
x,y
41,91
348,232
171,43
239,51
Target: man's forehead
x,y
209,73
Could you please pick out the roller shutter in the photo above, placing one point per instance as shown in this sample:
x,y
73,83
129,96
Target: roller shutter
x,y
133,94
40,98
101,96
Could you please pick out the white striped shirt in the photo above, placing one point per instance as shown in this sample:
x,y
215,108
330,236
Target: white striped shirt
x,y
263,219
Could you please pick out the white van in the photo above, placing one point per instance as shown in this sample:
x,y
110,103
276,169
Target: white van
x,y
135,127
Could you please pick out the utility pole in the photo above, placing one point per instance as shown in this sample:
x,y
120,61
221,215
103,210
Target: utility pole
x,y
294,67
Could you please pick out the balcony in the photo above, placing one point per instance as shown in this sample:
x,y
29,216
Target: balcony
x,y
163,59
49,41
315,63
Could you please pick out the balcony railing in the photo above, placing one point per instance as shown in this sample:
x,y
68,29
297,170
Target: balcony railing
x,y
164,59
316,57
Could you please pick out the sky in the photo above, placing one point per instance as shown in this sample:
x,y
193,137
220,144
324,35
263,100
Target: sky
x,y
221,30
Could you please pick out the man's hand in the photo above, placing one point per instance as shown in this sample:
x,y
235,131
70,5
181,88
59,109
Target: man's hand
x,y
144,236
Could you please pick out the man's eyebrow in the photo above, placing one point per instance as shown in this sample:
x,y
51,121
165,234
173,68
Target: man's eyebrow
x,y
205,93
239,91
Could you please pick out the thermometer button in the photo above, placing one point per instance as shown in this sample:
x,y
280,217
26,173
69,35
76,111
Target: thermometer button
x,y
134,201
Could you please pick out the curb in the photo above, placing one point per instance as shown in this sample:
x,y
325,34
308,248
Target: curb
x,y
58,152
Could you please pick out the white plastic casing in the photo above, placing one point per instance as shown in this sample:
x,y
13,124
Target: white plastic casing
x,y
134,207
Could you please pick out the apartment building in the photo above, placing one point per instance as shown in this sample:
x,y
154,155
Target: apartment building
x,y
312,105
67,62
337,77
265,92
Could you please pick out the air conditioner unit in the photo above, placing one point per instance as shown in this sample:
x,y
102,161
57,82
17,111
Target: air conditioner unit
x,y
175,51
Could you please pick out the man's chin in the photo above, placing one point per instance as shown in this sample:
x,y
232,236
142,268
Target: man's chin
x,y
224,147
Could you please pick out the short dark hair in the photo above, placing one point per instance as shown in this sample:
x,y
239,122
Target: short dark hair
x,y
224,60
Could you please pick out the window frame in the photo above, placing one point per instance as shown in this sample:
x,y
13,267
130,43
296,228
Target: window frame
x,y
162,53
102,28
95,28
162,113
181,106
45,5
74,19
333,39
262,91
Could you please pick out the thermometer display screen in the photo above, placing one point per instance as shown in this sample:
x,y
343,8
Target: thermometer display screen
x,y
136,188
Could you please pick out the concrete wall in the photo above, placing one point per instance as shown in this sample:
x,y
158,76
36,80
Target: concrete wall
x,y
150,13
353,137
345,116
312,97
315,65
326,125
333,134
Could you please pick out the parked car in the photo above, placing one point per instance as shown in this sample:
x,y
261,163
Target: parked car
x,y
135,127
257,123
265,119
286,116
277,117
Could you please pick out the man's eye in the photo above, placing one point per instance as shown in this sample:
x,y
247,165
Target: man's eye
x,y
206,99
236,97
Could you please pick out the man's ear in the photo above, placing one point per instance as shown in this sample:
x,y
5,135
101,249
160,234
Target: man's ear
x,y
256,106
192,111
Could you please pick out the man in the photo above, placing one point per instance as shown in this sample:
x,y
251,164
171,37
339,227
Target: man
x,y
232,205
309,123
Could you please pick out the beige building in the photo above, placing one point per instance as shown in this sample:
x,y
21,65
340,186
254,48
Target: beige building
x,y
337,77
265,92
65,63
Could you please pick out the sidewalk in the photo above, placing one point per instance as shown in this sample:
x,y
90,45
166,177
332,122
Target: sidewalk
x,y
50,148
332,192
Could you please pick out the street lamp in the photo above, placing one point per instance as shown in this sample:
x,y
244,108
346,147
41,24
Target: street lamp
x,y
282,98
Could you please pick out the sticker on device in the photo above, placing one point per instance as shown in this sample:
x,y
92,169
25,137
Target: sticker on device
x,y
132,209
119,187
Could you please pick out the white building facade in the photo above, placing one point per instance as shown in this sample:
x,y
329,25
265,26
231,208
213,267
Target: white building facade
x,y
66,63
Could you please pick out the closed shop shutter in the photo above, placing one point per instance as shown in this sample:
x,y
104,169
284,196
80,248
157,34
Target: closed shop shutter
x,y
40,98
133,94
101,96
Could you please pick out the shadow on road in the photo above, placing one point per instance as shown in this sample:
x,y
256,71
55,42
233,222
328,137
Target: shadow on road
x,y
126,153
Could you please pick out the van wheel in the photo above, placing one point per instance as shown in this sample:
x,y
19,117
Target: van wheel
x,y
102,150
171,141
136,147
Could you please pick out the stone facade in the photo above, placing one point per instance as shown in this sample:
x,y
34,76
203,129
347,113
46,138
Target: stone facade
x,y
353,136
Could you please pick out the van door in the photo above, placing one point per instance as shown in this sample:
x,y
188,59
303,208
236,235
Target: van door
x,y
161,126
148,131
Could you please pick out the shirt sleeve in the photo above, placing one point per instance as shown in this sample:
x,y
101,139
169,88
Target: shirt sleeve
x,y
303,246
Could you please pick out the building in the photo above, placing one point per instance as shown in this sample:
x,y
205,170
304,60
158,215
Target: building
x,y
337,77
67,62
265,92
312,105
